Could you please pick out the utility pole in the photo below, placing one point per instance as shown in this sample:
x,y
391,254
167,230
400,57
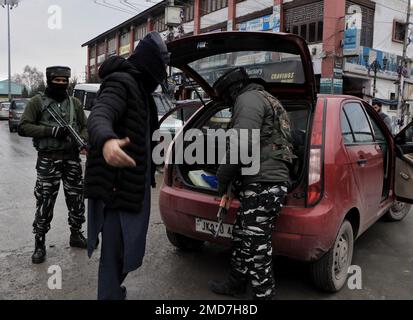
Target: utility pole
x,y
9,4
400,107
9,52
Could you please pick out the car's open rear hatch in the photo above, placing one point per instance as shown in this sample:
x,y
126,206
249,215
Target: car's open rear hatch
x,y
282,61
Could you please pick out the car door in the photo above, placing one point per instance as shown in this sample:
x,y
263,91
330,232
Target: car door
x,y
403,180
365,156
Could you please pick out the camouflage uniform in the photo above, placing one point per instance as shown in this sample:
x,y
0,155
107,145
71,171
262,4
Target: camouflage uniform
x,y
49,174
261,195
252,234
58,159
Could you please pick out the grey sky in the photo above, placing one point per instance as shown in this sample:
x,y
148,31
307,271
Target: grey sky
x,y
34,44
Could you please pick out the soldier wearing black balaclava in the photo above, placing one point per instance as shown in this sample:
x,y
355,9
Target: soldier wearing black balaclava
x,y
58,157
119,169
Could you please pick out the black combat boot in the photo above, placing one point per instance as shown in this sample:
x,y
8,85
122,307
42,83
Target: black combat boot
x,y
77,239
39,253
235,285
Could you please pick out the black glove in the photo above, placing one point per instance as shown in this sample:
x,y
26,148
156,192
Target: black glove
x,y
60,132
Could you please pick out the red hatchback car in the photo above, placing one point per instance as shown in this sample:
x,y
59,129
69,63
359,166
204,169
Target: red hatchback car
x,y
350,169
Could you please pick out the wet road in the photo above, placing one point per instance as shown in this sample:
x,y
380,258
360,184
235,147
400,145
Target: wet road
x,y
385,252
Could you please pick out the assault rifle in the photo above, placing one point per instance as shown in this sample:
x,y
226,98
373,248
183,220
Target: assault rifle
x,y
81,144
224,206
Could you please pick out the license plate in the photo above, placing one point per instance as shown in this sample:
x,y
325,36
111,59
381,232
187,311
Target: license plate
x,y
209,227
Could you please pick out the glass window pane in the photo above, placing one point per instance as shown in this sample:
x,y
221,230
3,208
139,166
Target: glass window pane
x,y
303,31
312,33
320,31
346,130
359,123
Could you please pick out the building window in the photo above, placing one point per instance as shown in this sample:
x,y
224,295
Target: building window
x,y
189,11
367,27
140,32
111,46
92,52
101,49
320,26
312,32
399,31
124,39
159,23
208,6
306,21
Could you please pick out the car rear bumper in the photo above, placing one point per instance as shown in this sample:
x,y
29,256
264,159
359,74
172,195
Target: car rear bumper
x,y
300,233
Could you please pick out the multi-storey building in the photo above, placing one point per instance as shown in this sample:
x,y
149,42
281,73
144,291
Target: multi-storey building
x,y
321,22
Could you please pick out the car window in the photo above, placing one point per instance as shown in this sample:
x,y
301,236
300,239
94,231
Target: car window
x,y
345,129
90,97
359,123
378,133
406,137
80,94
19,105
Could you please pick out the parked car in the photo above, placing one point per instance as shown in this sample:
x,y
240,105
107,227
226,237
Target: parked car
x,y
349,173
86,93
4,110
16,110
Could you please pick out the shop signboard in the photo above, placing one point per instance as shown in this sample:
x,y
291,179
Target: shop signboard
x,y
279,72
338,86
352,34
357,64
325,85
259,24
276,18
124,50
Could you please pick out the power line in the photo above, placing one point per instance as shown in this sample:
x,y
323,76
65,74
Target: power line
x,y
104,4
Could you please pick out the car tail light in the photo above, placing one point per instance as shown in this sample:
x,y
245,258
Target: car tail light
x,y
316,161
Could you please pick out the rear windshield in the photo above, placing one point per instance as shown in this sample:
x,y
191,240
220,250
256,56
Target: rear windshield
x,y
20,105
272,67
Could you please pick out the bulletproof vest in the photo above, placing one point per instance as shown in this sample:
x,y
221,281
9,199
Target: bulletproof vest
x,y
66,110
280,140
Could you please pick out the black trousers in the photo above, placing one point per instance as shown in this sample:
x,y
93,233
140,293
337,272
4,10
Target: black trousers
x,y
111,274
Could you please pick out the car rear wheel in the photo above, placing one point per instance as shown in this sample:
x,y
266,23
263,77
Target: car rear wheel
x,y
184,243
331,271
397,212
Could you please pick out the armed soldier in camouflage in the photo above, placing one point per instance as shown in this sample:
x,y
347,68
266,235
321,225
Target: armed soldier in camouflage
x,y
58,157
261,195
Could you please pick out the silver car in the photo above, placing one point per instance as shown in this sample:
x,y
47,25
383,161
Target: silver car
x,y
16,110
4,110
